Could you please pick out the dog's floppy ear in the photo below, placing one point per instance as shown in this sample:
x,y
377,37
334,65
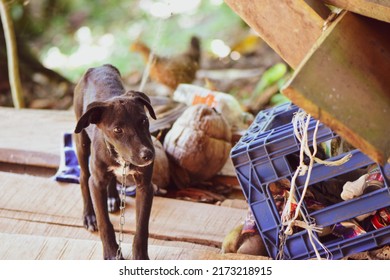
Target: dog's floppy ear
x,y
92,115
144,99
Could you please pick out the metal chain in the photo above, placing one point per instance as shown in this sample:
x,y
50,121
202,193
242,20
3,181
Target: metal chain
x,y
122,196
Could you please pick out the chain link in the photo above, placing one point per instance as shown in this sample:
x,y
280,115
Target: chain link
x,y
122,196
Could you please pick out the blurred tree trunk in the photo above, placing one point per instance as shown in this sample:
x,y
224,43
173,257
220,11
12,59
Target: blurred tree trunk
x,y
43,87
12,56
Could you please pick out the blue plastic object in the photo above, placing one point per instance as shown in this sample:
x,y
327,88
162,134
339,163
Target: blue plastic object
x,y
264,155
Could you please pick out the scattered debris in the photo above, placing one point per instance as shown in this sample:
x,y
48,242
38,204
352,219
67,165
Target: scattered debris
x,y
223,103
172,71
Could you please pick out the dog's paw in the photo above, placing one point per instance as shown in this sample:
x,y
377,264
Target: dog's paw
x,y
90,222
113,254
113,257
140,257
113,204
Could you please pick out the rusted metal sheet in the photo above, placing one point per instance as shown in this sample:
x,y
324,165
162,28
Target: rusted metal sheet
x,y
344,82
290,27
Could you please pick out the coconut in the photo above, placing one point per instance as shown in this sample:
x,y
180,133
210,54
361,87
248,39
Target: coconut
x,y
197,145
160,177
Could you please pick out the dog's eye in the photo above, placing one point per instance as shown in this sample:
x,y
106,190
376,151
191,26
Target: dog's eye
x,y
118,130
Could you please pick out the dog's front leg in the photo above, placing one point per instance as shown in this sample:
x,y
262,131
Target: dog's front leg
x,y
143,200
98,185
83,149
113,200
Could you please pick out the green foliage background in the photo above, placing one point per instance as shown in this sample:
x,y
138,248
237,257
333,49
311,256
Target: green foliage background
x,y
53,23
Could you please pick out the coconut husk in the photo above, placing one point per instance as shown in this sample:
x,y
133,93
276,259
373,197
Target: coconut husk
x,y
160,176
198,145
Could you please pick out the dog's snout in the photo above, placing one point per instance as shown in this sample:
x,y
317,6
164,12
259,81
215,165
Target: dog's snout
x,y
147,155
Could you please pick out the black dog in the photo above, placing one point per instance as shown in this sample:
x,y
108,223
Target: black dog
x,y
119,136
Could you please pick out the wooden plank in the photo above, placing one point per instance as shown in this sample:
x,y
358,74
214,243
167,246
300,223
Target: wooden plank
x,y
378,9
13,225
320,8
42,200
290,27
29,240
23,227
28,247
27,169
33,137
344,83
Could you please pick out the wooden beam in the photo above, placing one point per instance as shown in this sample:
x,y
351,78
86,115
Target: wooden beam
x,y
319,7
377,9
290,27
344,82
33,137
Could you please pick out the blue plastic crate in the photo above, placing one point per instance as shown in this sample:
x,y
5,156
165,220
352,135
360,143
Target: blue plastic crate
x,y
267,151
262,156
269,119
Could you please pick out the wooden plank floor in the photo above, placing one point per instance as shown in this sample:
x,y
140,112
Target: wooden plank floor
x,y
26,240
45,217
33,137
40,199
41,218
28,247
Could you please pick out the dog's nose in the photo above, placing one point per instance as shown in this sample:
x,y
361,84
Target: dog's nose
x,y
146,155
